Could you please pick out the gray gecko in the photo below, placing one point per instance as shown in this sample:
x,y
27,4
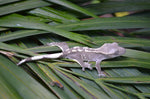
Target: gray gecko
x,y
83,55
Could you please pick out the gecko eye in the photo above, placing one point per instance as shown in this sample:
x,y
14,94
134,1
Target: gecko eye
x,y
114,43
113,51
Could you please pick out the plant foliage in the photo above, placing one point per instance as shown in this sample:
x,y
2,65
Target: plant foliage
x,y
27,25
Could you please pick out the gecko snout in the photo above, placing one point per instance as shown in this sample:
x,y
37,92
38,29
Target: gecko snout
x,y
121,50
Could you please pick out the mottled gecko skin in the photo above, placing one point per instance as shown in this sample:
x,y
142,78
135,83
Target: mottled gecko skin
x,y
83,55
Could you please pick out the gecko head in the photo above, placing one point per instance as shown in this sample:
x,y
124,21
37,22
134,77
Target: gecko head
x,y
112,49
117,50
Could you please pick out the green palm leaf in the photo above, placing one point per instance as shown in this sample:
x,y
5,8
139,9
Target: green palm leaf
x,y
15,82
27,26
72,6
19,21
24,5
107,23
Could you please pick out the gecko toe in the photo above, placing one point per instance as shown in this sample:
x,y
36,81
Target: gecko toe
x,y
90,68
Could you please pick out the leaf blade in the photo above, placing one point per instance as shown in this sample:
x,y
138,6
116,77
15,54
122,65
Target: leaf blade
x,y
19,21
107,23
19,6
73,6
15,75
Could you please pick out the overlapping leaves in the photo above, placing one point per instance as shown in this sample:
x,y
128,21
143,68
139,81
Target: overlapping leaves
x,y
127,76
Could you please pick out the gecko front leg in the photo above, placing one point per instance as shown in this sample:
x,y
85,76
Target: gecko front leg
x,y
83,64
100,73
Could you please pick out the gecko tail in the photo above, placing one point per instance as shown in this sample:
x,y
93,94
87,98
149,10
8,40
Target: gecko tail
x,y
22,61
39,57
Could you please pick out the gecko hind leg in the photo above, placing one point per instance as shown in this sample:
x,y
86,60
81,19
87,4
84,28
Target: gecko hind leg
x,y
62,45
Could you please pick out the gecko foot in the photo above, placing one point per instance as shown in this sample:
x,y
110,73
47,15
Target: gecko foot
x,y
101,74
88,65
83,69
